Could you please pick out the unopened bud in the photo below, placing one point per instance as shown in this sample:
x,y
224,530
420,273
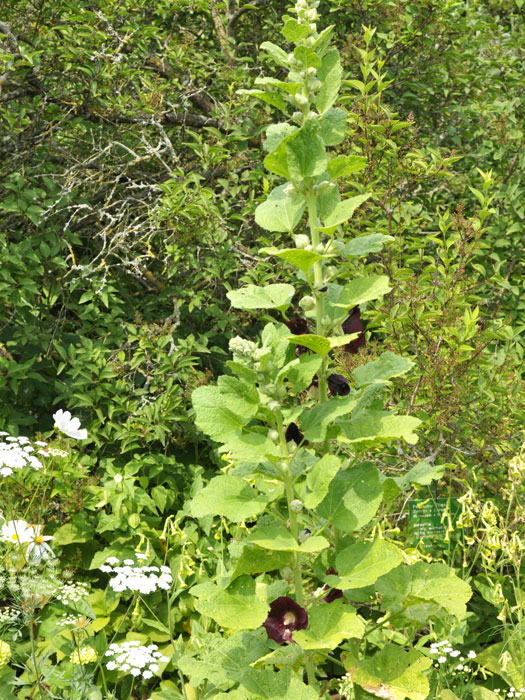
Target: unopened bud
x,y
307,303
296,505
301,100
301,240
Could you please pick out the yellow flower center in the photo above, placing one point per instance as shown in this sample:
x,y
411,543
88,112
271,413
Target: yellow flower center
x,y
289,618
14,537
39,539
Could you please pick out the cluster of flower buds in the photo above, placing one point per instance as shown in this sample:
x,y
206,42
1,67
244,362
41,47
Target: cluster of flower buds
x,y
248,353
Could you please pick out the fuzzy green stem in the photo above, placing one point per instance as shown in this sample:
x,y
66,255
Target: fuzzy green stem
x,y
294,528
313,223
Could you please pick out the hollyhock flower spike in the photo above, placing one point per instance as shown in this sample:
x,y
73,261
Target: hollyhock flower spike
x,y
285,617
69,426
353,324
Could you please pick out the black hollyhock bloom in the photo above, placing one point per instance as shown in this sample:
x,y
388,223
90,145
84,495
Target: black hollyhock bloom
x,y
293,433
333,593
285,617
353,324
338,385
298,326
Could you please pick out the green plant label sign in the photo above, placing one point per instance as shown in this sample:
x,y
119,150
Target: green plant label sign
x,y
431,518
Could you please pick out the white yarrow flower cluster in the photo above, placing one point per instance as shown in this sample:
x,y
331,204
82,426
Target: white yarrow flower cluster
x,y
69,426
17,453
137,578
138,660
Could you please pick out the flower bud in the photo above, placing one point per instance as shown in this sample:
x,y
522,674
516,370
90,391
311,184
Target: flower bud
x,y
301,100
289,190
307,303
273,435
296,505
312,71
274,405
310,41
301,240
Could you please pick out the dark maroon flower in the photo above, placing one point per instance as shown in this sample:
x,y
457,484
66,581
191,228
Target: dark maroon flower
x,y
293,433
298,326
338,385
333,593
285,617
353,324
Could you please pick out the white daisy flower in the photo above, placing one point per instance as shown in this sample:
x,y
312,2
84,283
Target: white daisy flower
x,y
69,426
17,532
38,548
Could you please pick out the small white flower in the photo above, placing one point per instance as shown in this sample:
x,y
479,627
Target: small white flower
x,y
69,426
459,667
446,650
129,562
442,659
17,532
113,561
472,654
118,478
455,652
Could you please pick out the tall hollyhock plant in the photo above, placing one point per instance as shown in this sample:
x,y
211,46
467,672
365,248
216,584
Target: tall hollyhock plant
x,y
294,467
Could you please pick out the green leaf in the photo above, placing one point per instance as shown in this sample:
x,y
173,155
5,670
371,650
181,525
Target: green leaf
x,y
269,685
328,625
361,564
222,661
305,152
275,133
272,296
392,673
281,211
362,289
363,245
341,166
378,426
423,582
249,446
332,129
238,607
422,473
226,408
315,420
300,374
230,496
329,74
320,344
289,88
276,53
389,365
255,560
353,498
303,259
308,57
272,98
294,32
277,537
478,693
78,530
343,211
319,478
